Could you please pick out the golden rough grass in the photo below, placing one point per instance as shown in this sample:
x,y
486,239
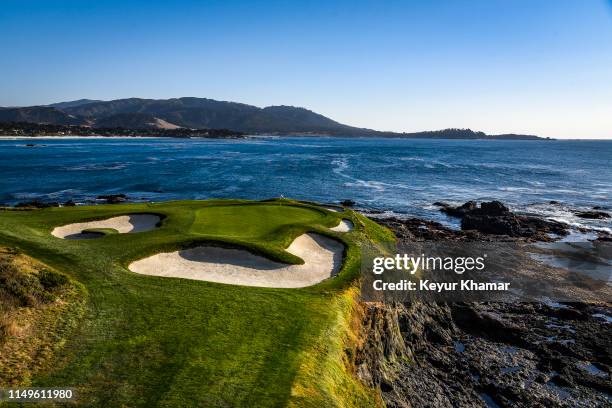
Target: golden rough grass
x,y
327,375
30,334
9,327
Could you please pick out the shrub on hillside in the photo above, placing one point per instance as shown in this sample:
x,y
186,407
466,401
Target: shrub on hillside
x,y
51,279
21,288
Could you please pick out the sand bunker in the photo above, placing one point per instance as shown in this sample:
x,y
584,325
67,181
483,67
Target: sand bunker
x,y
344,226
322,259
123,224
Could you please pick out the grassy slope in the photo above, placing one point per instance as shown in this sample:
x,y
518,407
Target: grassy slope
x,y
152,341
39,308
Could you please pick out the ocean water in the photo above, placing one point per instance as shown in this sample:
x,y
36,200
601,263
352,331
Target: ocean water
x,y
398,176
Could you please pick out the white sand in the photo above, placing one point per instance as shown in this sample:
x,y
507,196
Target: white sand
x,y
123,224
344,226
322,259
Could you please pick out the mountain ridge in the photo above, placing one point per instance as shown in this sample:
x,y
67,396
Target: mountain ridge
x,y
204,113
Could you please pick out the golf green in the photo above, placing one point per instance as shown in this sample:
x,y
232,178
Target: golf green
x,y
156,341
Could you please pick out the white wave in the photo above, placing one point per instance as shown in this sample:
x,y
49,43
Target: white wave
x,y
430,163
411,158
63,193
98,166
25,195
535,183
383,214
305,145
340,164
375,185
516,189
566,191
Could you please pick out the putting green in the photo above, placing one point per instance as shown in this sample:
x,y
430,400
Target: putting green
x,y
152,341
255,220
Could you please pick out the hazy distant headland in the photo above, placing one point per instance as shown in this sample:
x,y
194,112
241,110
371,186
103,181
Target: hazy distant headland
x,y
188,117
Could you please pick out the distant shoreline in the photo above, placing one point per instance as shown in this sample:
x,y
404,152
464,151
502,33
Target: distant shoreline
x,y
9,137
247,136
182,117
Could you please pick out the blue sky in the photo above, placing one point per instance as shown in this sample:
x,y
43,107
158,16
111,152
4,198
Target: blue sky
x,y
540,67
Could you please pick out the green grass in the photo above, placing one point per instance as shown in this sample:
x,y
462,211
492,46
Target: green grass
x,y
149,341
101,231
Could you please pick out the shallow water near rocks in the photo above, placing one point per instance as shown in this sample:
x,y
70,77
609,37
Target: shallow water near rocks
x,y
591,369
604,317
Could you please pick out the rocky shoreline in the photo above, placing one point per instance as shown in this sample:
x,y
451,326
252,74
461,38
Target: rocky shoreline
x,y
100,199
489,221
497,354
486,354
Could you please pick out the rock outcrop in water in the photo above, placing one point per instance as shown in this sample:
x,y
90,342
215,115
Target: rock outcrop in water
x,y
593,215
417,229
36,204
347,203
113,198
494,218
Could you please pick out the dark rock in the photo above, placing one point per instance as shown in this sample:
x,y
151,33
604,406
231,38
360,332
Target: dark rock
x,y
593,215
476,228
485,324
604,237
413,367
113,198
545,226
515,226
416,229
495,218
347,203
30,145
553,202
495,225
37,204
457,211
492,208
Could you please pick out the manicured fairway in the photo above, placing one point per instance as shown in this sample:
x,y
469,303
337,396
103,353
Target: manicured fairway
x,y
153,341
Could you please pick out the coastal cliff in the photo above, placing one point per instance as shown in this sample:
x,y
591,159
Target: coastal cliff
x,y
484,354
466,355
